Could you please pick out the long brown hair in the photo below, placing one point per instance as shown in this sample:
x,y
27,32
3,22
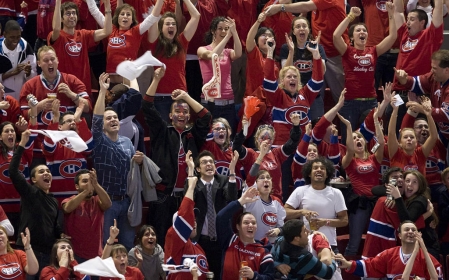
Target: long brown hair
x,y
119,10
164,47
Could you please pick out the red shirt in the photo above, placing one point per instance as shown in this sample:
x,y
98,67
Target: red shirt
x,y
7,8
244,13
72,52
326,18
359,66
281,23
132,273
363,174
417,161
123,44
13,265
376,20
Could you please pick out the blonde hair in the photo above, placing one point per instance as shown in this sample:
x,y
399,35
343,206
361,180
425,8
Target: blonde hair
x,y
284,71
259,131
9,249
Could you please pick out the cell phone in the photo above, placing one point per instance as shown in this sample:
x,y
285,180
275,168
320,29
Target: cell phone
x,y
311,45
270,44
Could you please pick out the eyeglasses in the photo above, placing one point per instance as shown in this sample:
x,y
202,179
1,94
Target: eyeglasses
x,y
263,178
205,161
219,129
421,126
68,121
70,13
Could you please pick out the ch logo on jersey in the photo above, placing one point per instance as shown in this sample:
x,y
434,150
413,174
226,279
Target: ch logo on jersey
x,y
410,167
10,271
46,116
304,66
270,219
409,45
364,169
364,61
65,142
73,48
69,168
4,172
432,165
222,168
300,110
444,127
381,6
117,42
201,261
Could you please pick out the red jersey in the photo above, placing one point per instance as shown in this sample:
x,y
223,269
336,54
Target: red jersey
x,y
45,12
72,52
52,273
359,66
65,163
208,10
271,162
413,53
244,12
391,264
132,273
284,104
85,221
417,161
254,73
175,73
7,8
223,159
326,18
363,174
122,44
12,113
9,198
178,245
13,265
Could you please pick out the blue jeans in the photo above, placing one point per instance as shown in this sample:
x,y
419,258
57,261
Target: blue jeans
x,y
357,225
163,105
384,71
119,211
352,110
43,260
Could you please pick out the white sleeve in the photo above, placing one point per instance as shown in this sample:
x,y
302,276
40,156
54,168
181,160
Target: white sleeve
x,y
295,198
281,214
339,201
147,23
8,226
411,5
95,12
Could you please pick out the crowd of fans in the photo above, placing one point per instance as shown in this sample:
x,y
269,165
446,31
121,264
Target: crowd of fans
x,y
241,189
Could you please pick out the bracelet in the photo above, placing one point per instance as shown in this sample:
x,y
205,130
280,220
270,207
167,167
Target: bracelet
x,y
26,249
191,176
328,222
231,175
32,117
283,8
351,17
110,244
76,98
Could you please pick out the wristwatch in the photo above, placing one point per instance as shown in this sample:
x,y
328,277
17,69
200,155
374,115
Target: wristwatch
x,y
283,8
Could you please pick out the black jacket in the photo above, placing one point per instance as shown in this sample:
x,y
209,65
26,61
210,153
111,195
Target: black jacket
x,y
5,63
38,210
166,140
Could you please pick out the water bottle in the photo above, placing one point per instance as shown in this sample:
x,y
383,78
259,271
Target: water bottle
x,y
391,182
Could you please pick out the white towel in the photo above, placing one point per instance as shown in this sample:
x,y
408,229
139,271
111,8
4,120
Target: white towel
x,y
99,267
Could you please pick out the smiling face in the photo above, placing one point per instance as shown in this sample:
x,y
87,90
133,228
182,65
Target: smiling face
x,y
411,183
301,30
407,234
12,38
247,228
180,115
125,19
407,140
421,128
290,81
120,261
69,18
42,178
312,152
221,32
48,61
413,24
169,28
318,173
264,184
9,136
149,240
220,133
360,36
206,168
111,123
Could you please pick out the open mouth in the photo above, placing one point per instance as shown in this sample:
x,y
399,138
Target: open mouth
x,y
171,32
11,140
51,70
221,136
266,186
359,145
302,36
47,180
362,38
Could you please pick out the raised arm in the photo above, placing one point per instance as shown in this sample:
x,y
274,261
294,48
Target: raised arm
x,y
380,137
291,51
339,42
104,85
250,38
56,23
113,233
100,34
393,144
180,94
32,266
399,14
388,41
158,75
153,18
427,147
191,26
346,160
295,8
437,14
95,12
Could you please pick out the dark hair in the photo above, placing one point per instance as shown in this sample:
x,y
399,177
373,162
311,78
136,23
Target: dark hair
x,y
404,222
204,153
117,91
307,53
142,231
177,102
292,228
164,47
330,169
422,186
54,262
421,16
262,31
12,25
239,218
67,6
421,117
3,146
209,36
387,174
351,31
79,173
109,109
61,118
119,10
33,171
443,57
118,248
